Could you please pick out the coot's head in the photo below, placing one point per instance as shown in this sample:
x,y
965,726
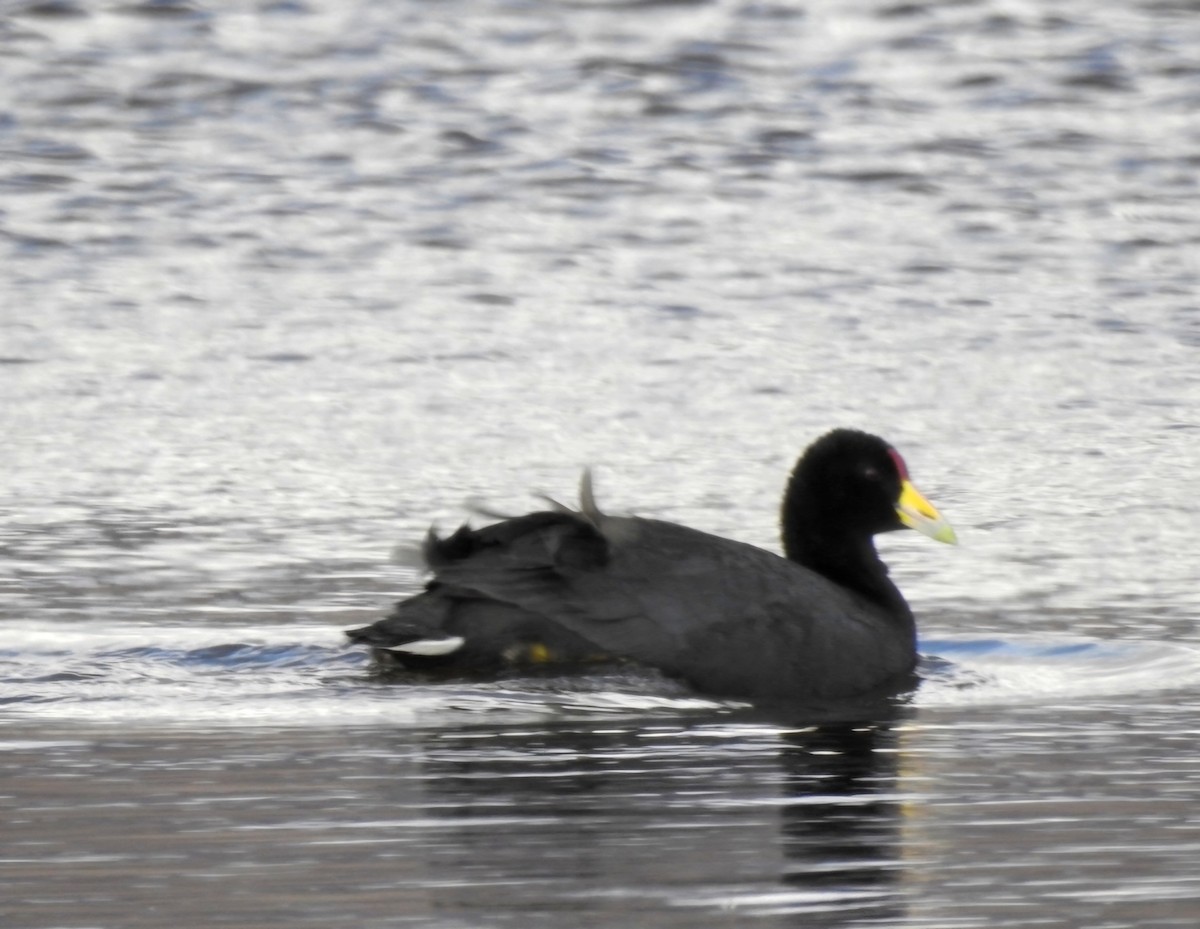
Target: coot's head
x,y
853,485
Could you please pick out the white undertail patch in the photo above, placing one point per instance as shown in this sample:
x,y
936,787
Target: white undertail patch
x,y
430,648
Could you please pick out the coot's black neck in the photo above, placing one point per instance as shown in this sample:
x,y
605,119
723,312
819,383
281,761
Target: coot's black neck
x,y
843,553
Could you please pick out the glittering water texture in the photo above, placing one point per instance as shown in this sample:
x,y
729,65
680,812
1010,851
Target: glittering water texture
x,y
283,283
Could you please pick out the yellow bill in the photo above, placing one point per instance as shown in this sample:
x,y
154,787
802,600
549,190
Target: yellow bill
x,y
918,513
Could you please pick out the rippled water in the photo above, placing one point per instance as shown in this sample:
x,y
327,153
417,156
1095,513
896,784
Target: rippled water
x,y
283,283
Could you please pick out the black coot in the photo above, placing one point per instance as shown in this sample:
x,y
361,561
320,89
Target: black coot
x,y
566,588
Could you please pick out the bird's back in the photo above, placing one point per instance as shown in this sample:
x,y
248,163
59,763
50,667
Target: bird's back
x,y
727,617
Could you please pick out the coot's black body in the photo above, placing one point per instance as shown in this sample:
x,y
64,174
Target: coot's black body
x,y
567,588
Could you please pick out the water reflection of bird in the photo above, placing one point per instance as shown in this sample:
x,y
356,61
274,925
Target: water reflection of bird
x,y
841,828
707,817
563,588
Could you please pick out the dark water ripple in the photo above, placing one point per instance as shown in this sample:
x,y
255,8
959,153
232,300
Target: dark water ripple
x,y
303,675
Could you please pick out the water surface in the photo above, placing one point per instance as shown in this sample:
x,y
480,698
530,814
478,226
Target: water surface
x,y
284,283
